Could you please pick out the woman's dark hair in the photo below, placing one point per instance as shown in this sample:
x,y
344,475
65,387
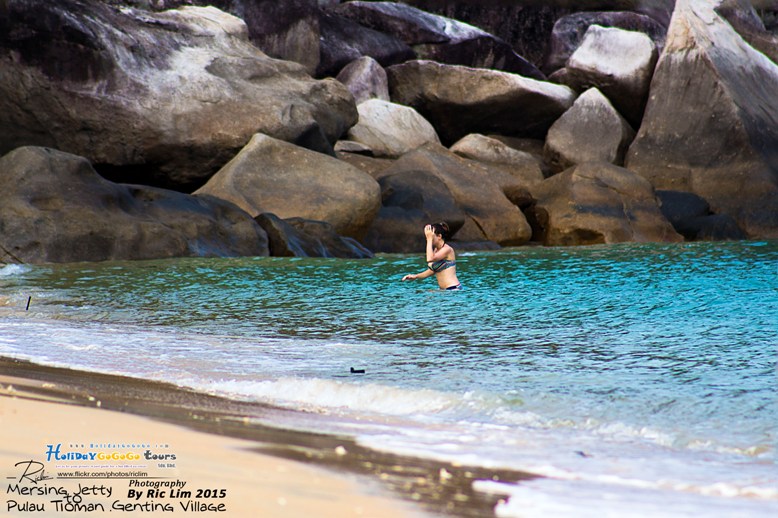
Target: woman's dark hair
x,y
442,230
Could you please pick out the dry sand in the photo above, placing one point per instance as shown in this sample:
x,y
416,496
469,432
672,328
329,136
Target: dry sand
x,y
256,484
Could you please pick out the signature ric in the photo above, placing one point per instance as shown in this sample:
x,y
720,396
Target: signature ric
x,y
32,471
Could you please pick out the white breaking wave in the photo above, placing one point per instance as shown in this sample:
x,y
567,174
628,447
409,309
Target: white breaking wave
x,y
10,270
329,395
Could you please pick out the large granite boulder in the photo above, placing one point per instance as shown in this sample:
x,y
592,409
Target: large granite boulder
x,y
270,175
164,98
298,237
691,217
343,41
524,166
286,30
479,191
390,129
596,203
711,124
619,63
410,24
569,32
438,38
411,199
525,26
366,79
460,100
54,207
591,131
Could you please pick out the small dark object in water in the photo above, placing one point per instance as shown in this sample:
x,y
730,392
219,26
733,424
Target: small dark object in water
x,y
583,454
357,371
28,303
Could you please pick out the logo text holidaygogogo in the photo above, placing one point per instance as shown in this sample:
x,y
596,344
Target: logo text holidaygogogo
x,y
56,453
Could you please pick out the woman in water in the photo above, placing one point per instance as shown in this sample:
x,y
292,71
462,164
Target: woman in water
x,y
441,259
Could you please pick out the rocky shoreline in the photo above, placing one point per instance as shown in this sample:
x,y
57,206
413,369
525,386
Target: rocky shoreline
x,y
141,129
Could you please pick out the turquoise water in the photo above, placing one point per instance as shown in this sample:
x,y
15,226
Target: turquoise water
x,y
639,378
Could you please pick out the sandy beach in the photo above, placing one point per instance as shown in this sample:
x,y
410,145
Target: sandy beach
x,y
255,484
250,468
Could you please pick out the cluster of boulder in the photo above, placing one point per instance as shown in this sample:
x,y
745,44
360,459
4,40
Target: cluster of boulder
x,y
134,129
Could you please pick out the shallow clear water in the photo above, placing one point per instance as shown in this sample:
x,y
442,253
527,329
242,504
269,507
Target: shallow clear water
x,y
640,378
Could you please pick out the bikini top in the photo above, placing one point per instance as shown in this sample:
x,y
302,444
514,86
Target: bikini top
x,y
440,265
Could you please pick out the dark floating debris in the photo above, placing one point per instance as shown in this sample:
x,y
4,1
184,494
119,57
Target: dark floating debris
x,y
357,371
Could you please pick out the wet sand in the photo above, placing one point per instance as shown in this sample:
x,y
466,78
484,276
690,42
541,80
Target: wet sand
x,y
221,444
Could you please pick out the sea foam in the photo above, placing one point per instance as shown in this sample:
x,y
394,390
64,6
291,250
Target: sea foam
x,y
331,396
10,270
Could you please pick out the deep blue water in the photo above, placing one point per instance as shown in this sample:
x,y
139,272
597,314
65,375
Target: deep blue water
x,y
638,374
